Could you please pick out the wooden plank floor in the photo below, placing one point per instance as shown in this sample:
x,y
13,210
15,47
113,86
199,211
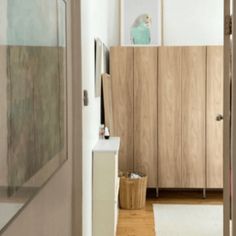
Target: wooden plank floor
x,y
141,222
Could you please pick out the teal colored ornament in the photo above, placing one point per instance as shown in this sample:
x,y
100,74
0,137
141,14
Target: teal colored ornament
x,y
141,35
140,31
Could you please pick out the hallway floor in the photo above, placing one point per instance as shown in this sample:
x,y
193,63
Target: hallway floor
x,y
141,222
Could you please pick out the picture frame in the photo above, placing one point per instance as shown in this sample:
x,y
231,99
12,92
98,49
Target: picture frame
x,y
98,66
34,100
141,22
101,64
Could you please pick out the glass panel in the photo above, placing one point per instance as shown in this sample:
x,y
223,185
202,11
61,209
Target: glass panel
x,y
33,104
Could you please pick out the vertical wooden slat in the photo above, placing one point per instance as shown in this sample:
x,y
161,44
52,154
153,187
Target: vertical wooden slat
x,y
214,107
193,117
226,131
145,112
122,75
169,117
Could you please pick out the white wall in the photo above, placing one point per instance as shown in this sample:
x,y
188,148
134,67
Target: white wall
x,y
191,22
100,18
3,21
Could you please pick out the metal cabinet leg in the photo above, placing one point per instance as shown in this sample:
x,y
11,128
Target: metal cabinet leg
x,y
204,194
157,192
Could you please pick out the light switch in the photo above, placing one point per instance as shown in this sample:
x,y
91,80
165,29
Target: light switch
x,y
86,98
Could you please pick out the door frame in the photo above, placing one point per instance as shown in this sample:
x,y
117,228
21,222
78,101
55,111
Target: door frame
x,y
76,90
227,124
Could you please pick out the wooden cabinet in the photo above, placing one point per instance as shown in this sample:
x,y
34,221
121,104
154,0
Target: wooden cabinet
x,y
122,71
169,117
134,87
145,113
214,142
193,117
181,117
165,102
105,187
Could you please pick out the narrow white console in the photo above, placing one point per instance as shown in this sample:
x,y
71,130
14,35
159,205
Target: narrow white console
x,y
105,187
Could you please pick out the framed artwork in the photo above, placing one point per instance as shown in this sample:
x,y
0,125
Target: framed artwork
x,y
98,66
33,99
101,64
36,95
141,22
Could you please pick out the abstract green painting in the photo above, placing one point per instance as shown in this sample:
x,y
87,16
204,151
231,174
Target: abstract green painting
x,y
35,110
33,43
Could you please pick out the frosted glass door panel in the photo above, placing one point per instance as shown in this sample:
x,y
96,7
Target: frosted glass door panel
x,y
33,101
32,23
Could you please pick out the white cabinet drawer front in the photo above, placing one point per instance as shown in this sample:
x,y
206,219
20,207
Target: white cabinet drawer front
x,y
104,218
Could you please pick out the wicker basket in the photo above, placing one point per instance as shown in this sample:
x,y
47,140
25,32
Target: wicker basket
x,y
133,193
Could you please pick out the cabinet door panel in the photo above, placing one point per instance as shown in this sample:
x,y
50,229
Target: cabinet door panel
x,y
193,117
145,112
169,117
214,107
122,68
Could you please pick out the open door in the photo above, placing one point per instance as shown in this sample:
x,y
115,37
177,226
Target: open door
x,y
227,119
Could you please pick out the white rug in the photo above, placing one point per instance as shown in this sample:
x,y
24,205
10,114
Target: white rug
x,y
188,220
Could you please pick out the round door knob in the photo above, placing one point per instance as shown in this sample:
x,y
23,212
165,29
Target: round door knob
x,y
219,117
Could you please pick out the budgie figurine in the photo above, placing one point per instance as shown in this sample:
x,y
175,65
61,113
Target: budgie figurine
x,y
140,30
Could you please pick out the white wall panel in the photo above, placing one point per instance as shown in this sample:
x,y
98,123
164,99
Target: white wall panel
x,y
193,22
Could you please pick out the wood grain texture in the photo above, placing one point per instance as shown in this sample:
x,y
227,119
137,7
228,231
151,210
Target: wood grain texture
x,y
35,111
107,95
169,117
145,112
20,98
214,107
193,117
141,222
122,75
